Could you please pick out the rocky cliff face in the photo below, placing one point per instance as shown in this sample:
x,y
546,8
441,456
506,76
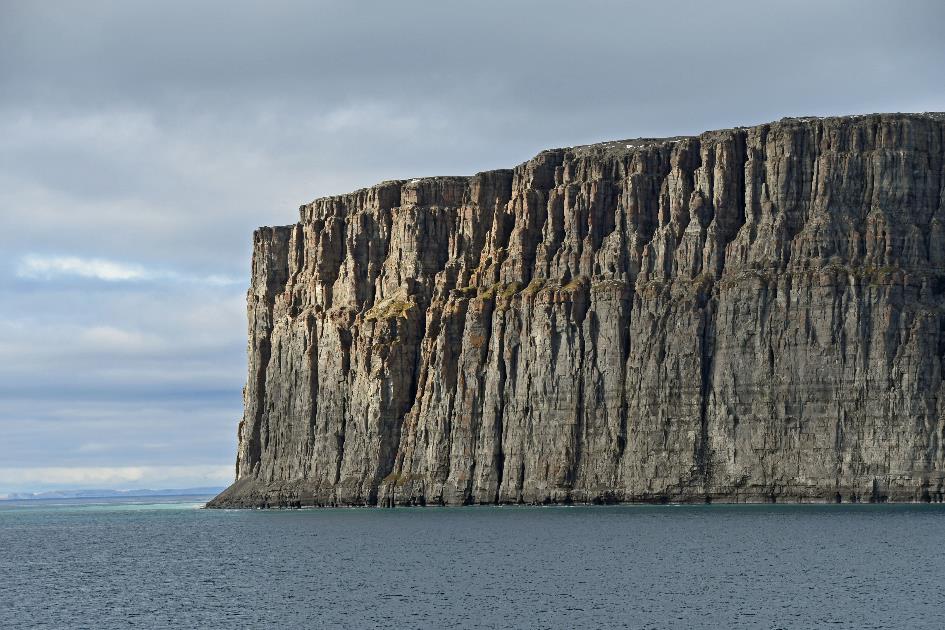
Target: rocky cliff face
x,y
753,314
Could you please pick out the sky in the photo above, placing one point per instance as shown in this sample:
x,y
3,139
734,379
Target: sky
x,y
142,142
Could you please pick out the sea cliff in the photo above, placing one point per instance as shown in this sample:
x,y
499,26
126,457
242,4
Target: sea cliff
x,y
751,314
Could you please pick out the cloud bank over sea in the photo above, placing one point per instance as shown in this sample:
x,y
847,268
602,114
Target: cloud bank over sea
x,y
141,144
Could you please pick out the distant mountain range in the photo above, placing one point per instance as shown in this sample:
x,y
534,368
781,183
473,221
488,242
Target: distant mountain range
x,y
105,493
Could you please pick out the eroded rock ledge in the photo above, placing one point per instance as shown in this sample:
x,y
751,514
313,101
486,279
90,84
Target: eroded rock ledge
x,y
752,314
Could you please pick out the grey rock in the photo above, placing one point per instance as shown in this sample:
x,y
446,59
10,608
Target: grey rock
x,y
752,314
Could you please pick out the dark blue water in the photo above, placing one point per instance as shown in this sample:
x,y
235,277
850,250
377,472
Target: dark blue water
x,y
107,564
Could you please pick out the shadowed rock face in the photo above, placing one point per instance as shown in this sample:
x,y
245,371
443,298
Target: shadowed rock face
x,y
752,314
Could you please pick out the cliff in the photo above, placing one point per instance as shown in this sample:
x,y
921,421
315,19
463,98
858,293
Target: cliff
x,y
752,314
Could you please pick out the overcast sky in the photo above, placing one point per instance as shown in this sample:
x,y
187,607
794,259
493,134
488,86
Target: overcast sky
x,y
141,143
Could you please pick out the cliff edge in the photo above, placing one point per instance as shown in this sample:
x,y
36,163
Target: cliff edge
x,y
752,314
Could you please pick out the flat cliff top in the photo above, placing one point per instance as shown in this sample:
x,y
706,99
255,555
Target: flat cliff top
x,y
633,145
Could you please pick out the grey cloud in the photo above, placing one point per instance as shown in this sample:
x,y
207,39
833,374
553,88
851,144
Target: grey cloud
x,y
159,135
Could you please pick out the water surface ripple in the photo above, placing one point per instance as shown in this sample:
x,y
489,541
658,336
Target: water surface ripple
x,y
111,564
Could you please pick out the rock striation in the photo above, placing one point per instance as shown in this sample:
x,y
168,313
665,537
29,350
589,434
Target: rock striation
x,y
752,314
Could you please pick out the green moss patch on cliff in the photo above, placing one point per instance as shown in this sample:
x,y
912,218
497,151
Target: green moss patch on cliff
x,y
391,308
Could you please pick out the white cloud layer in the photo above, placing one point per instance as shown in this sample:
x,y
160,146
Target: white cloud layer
x,y
36,267
116,477
48,267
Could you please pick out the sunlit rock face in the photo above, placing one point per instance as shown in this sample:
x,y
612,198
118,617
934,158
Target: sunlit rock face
x,y
752,314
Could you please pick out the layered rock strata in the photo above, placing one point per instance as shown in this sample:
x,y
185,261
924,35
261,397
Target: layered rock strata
x,y
752,314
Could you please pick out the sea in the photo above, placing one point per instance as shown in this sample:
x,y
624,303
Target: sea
x,y
168,563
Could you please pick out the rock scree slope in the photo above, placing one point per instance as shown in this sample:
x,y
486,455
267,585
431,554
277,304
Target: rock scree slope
x,y
752,314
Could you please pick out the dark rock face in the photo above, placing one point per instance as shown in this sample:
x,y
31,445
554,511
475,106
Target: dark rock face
x,y
754,314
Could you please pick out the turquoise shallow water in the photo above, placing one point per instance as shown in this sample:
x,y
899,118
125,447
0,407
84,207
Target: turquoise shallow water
x,y
149,564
